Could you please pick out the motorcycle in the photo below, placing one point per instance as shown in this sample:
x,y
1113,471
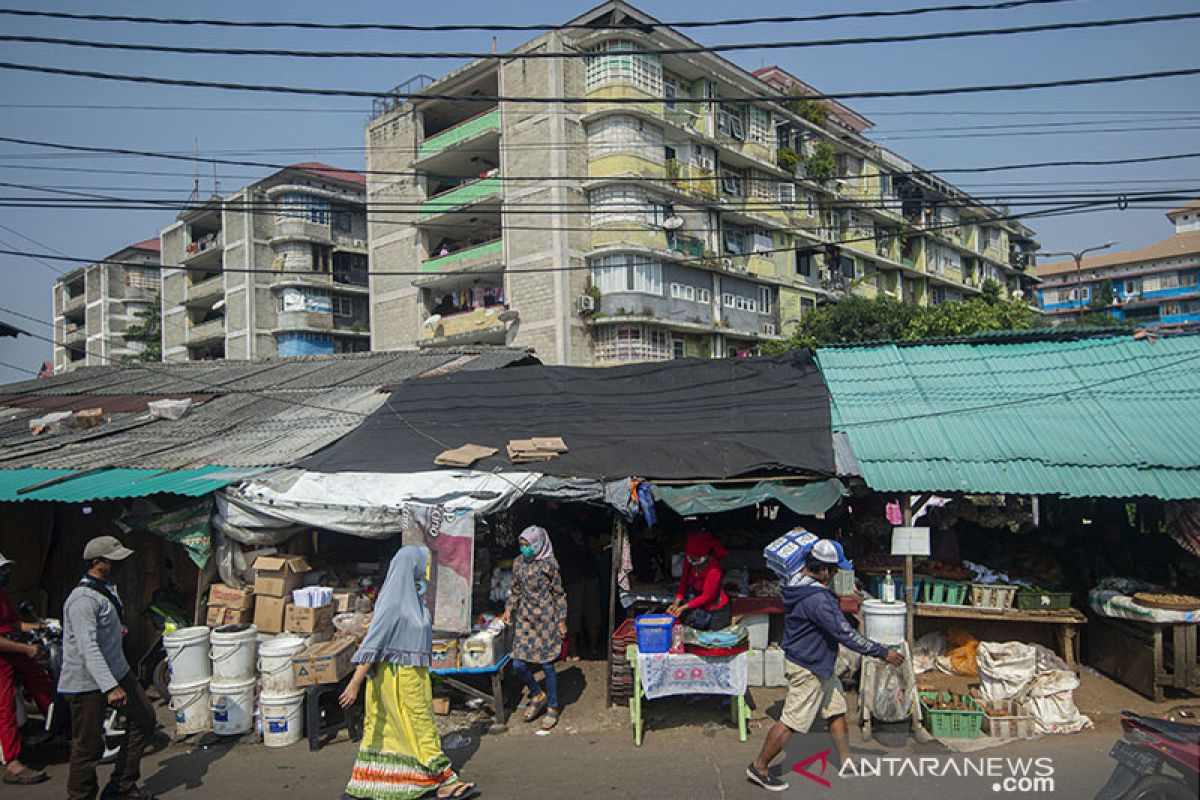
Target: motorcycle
x,y
1149,745
49,638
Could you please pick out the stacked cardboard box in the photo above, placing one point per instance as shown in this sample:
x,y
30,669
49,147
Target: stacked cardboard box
x,y
275,578
229,606
324,662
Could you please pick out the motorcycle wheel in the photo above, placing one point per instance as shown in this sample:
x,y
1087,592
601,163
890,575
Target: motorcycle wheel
x,y
161,676
1159,787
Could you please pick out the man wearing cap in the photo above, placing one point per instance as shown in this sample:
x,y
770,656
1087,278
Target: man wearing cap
x,y
813,628
17,658
95,675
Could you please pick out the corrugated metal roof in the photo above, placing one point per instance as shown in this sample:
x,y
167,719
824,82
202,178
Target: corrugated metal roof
x,y
1098,417
116,483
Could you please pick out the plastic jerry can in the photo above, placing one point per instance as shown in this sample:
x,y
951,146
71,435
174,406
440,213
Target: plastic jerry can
x,y
754,668
773,667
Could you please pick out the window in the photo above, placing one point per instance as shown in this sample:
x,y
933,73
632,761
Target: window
x,y
846,267
745,303
729,123
678,348
657,212
734,239
1188,278
617,204
610,275
612,63
804,265
991,238
647,278
731,183
293,205
681,291
787,193
729,300
759,128
762,241
703,296
806,305
343,306
1131,287
633,343
669,92
764,299
624,134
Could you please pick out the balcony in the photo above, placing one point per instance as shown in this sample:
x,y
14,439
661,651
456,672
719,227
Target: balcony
x,y
204,250
477,326
211,331
468,194
206,292
349,244
685,245
74,303
313,321
469,259
487,122
692,179
74,334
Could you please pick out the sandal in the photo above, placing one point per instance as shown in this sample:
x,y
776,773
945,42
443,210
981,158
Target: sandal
x,y
26,777
536,706
458,791
551,719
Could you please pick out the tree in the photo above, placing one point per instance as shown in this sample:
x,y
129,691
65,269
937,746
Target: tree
x,y
821,165
1102,296
147,330
991,290
787,159
853,319
814,111
967,317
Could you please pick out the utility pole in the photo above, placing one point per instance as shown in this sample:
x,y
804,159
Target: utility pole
x,y
1078,256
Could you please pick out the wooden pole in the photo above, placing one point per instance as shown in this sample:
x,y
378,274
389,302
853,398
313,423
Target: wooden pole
x,y
618,530
910,602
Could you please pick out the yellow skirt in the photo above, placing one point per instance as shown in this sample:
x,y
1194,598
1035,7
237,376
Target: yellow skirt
x,y
401,753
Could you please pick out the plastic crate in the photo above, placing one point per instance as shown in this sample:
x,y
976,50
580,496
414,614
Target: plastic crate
x,y
654,632
872,584
1030,600
1017,723
938,592
951,724
998,596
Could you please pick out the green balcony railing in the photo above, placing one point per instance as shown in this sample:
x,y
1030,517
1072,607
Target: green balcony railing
x,y
486,253
464,195
467,129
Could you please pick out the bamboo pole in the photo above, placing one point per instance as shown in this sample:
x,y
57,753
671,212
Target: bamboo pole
x,y
618,530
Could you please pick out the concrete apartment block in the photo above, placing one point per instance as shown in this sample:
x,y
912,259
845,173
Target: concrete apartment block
x,y
94,305
277,268
602,231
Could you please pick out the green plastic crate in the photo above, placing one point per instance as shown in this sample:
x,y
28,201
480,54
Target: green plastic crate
x,y
1029,600
945,593
951,724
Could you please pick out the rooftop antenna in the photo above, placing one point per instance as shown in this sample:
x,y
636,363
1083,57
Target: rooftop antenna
x,y
216,183
195,196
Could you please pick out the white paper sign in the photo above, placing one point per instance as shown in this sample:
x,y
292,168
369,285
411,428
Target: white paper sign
x,y
910,541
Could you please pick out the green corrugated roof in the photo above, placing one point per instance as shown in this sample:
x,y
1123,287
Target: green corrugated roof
x,y
110,484
1095,417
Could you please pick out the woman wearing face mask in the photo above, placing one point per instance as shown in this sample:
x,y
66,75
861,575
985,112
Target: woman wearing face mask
x,y
700,599
401,753
537,610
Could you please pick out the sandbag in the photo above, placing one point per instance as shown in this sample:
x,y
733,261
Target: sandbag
x,y
1005,668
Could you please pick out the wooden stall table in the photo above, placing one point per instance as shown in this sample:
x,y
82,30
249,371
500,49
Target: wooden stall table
x,y
1065,619
668,674
494,699
1135,653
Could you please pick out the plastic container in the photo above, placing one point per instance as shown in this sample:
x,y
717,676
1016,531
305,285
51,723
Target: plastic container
x,y
755,668
993,595
275,664
1015,723
1034,600
945,593
187,656
843,582
883,622
232,705
234,651
951,724
445,654
654,632
887,590
774,667
482,650
759,628
282,718
190,707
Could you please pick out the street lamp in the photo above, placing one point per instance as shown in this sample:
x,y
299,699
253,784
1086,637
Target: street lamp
x,y
1078,256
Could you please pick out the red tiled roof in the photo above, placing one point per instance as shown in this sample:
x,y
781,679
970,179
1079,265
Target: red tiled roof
x,y
787,82
335,173
153,245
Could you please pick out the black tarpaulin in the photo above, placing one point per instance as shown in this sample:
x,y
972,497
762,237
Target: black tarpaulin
x,y
684,419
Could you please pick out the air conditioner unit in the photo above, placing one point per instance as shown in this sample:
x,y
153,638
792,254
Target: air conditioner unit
x,y
587,304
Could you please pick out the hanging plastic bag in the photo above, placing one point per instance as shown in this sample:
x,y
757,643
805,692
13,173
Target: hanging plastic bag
x,y
893,694
1005,668
961,649
926,650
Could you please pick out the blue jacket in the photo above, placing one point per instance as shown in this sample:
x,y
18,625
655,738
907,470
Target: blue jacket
x,y
815,625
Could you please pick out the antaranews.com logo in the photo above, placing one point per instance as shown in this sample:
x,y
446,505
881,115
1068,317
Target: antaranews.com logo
x,y
1026,775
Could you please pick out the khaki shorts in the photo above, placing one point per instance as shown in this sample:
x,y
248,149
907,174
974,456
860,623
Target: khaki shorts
x,y
807,695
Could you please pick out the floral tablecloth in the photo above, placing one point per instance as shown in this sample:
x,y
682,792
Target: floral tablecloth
x,y
666,674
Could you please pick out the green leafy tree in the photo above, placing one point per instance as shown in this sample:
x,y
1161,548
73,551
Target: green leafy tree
x,y
821,164
853,319
991,291
814,111
787,159
1102,296
147,329
967,317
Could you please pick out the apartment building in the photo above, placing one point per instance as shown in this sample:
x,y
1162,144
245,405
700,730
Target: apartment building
x,y
1156,286
97,307
277,268
601,230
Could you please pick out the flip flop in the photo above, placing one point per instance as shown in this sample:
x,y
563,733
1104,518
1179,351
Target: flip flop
x,y
26,777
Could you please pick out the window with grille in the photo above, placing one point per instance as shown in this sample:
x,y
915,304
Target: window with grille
x,y
729,123
633,343
623,134
732,183
612,63
787,193
294,205
678,348
764,299
617,204
758,128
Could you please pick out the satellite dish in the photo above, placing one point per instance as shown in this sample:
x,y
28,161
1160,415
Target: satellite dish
x,y
217,306
432,321
673,223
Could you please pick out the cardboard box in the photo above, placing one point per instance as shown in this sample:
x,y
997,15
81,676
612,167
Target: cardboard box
x,y
221,595
344,600
220,615
308,620
277,576
269,614
327,662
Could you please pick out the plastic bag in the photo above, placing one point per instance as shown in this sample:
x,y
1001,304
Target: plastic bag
x,y
847,663
1005,668
893,693
962,648
926,650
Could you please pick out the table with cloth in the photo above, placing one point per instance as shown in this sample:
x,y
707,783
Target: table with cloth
x,y
658,675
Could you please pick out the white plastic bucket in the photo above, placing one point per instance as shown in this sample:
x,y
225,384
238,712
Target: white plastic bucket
x,y
884,622
234,651
232,705
190,705
275,664
187,656
282,718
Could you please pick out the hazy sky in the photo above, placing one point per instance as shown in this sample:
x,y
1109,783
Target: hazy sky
x,y
927,131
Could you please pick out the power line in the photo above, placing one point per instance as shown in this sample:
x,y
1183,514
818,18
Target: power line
x,y
539,54
765,98
499,27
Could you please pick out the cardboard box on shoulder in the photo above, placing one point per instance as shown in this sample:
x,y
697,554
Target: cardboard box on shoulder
x,y
270,613
221,615
327,662
298,619
277,576
227,596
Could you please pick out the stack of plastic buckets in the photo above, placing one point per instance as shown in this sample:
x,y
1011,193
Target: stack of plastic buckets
x,y
234,657
189,667
281,704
